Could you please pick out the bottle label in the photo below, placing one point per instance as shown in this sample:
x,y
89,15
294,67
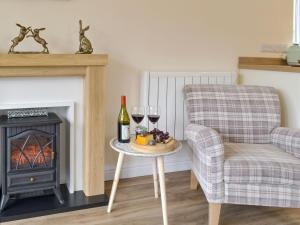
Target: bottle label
x,y
125,132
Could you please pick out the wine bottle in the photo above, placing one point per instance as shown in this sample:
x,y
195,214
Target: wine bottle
x,y
123,123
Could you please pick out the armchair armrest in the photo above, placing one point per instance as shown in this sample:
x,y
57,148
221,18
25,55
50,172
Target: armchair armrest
x,y
208,160
205,139
287,139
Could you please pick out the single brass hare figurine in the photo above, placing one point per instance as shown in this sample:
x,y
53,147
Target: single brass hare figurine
x,y
85,46
36,36
23,32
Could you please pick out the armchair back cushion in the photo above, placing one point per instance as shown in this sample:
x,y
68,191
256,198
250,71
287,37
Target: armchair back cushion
x,y
241,114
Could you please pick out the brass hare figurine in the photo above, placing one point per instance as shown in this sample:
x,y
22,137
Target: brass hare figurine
x,y
85,46
23,32
36,36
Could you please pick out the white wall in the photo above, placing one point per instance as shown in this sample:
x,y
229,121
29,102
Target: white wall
x,y
287,84
154,35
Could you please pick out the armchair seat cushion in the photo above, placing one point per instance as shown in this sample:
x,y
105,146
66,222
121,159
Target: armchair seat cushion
x,y
260,163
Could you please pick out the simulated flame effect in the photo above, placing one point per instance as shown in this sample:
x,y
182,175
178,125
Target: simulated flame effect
x,y
34,157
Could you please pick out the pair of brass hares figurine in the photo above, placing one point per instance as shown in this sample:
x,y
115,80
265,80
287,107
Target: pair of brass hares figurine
x,y
85,46
35,34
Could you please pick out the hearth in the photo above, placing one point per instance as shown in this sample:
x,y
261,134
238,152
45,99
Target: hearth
x,y
30,157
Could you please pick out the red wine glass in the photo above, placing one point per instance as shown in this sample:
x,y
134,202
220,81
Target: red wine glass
x,y
137,114
153,113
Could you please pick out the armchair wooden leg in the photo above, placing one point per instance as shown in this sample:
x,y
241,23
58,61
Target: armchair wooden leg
x,y
214,213
194,181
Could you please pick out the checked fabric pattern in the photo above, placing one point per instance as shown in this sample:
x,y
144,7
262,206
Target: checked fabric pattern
x,y
287,139
242,114
209,159
263,195
261,174
260,163
240,154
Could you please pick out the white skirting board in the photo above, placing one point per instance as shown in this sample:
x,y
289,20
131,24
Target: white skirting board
x,y
178,162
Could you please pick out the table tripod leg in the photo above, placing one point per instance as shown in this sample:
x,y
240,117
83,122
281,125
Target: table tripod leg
x,y
116,181
161,173
155,178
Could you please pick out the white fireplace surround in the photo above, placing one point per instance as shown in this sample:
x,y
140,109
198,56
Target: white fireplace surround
x,y
62,95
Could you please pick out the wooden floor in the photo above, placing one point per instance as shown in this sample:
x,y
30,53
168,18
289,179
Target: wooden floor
x,y
135,205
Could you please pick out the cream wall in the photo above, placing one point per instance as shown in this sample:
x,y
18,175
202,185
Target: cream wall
x,y
138,35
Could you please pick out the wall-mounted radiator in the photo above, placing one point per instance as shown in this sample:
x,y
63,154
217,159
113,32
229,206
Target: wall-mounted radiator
x,y
165,89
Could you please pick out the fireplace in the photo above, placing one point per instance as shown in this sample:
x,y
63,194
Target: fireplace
x,y
81,109
30,157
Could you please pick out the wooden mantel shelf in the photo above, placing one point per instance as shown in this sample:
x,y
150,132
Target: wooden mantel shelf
x,y
8,60
271,64
92,69
30,65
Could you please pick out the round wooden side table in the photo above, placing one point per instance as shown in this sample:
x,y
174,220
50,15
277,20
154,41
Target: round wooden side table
x,y
158,162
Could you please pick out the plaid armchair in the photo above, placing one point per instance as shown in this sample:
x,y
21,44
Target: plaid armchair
x,y
241,155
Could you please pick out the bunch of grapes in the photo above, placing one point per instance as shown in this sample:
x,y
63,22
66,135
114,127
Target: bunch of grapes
x,y
159,136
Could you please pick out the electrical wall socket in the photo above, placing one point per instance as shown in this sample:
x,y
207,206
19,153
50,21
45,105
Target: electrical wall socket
x,y
274,48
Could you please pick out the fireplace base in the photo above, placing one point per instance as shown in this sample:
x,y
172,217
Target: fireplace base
x,y
48,204
5,198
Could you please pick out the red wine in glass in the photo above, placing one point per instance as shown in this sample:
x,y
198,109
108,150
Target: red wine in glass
x,y
137,118
138,114
153,118
153,114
